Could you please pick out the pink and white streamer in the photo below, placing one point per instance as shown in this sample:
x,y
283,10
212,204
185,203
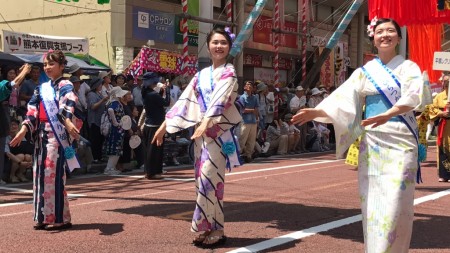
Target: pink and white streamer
x,y
276,43
185,39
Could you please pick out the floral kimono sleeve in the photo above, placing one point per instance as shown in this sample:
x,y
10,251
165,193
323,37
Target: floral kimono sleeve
x,y
346,117
31,118
222,110
186,111
67,101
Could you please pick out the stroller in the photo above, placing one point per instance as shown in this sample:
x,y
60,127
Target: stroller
x,y
317,138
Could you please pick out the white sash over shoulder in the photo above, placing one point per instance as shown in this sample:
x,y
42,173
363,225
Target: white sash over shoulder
x,y
390,88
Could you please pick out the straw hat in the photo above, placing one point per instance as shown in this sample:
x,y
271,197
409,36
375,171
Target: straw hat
x,y
117,92
299,88
261,87
74,68
316,91
103,74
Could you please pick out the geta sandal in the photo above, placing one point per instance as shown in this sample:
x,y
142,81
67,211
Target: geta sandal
x,y
40,226
219,240
59,227
200,238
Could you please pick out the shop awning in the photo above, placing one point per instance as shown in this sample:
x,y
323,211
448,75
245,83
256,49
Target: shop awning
x,y
6,59
38,58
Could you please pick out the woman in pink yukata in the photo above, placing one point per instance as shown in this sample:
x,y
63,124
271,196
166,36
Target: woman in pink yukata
x,y
208,104
53,126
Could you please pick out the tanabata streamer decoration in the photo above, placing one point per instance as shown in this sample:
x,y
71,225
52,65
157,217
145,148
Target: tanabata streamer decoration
x,y
247,29
161,61
411,12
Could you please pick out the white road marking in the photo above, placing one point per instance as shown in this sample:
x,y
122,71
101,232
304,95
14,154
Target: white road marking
x,y
321,228
160,192
162,179
70,196
281,167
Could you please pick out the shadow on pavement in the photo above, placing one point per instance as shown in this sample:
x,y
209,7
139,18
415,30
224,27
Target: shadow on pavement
x,y
105,229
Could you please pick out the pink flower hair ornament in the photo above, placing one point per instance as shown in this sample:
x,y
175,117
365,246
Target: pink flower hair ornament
x,y
231,34
370,28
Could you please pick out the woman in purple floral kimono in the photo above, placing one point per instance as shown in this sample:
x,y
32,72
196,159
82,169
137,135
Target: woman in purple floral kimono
x,y
208,104
51,121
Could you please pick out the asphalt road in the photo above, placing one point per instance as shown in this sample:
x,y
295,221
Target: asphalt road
x,y
299,203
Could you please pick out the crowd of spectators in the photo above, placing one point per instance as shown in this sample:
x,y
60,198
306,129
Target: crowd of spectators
x,y
265,130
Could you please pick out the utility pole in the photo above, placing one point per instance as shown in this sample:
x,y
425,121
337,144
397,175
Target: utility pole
x,y
206,12
239,60
312,74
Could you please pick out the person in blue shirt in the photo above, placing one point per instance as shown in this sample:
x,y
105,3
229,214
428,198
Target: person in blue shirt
x,y
250,118
5,90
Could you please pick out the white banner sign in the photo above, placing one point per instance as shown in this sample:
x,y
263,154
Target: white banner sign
x,y
27,43
267,75
317,41
441,61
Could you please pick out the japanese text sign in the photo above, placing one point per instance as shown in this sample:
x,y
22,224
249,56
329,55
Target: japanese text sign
x,y
23,43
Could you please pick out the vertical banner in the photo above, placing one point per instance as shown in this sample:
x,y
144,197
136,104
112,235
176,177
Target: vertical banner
x,y
194,10
327,70
339,64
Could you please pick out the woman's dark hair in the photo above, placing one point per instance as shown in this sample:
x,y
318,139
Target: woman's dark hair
x,y
120,75
219,31
15,121
6,70
56,56
387,20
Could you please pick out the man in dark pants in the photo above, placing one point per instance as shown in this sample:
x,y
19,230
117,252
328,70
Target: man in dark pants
x,y
5,91
156,97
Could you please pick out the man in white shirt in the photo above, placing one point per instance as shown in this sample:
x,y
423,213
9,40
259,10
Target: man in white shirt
x,y
299,102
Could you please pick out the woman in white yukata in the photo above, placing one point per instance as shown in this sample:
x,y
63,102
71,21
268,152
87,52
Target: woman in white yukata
x,y
208,104
391,88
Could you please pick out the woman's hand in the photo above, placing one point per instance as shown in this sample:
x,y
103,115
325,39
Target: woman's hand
x,y
306,115
19,137
201,129
159,135
71,129
26,68
376,120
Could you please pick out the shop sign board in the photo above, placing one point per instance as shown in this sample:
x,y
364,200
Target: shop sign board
x,y
29,43
267,75
153,25
257,61
262,32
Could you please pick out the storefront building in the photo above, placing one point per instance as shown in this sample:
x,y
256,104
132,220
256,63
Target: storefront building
x,y
117,32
